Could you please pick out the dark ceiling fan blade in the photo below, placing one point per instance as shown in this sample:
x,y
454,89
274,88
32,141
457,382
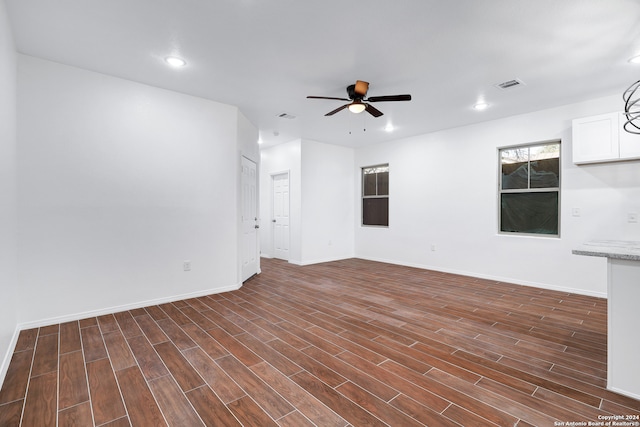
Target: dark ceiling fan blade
x,y
361,88
331,113
389,98
373,110
328,97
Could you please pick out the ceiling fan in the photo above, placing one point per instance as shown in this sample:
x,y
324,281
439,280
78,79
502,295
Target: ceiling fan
x,y
359,103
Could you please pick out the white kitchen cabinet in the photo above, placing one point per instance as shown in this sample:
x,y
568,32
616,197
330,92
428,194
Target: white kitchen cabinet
x,y
602,138
629,142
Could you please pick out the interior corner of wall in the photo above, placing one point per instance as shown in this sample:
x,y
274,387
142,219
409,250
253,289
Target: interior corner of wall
x,y
6,359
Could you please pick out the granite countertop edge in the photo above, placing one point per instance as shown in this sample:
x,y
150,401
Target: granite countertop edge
x,y
624,250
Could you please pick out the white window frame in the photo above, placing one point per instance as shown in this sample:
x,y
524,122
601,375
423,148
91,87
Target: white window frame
x,y
376,196
502,191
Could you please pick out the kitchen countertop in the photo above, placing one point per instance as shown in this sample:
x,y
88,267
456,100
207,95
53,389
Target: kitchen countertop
x,y
616,249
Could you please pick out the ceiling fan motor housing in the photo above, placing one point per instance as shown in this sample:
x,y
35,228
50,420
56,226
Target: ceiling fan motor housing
x,y
351,91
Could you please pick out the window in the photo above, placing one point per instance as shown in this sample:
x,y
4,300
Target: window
x,y
530,189
375,195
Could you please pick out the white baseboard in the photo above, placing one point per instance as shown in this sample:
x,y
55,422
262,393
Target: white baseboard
x,y
624,392
321,260
492,277
94,313
115,309
4,367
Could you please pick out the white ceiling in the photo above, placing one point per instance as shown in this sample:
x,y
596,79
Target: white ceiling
x,y
266,56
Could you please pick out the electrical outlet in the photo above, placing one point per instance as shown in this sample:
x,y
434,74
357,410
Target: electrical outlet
x,y
575,212
433,247
632,217
186,265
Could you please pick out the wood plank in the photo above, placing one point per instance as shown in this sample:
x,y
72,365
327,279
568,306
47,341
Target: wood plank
x,y
151,329
105,396
197,318
182,371
147,358
76,416
296,419
323,373
426,397
173,403
107,323
425,415
176,334
214,375
363,379
344,407
120,422
250,414
118,349
381,409
141,406
265,352
175,314
40,408
26,340
10,413
127,324
304,402
73,388
213,412
89,321
92,344
271,402
49,330
46,358
17,377
70,337
205,341
156,313
234,347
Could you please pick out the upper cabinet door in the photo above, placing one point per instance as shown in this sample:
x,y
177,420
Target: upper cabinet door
x,y
595,139
629,142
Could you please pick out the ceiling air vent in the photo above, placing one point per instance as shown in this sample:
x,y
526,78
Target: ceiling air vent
x,y
510,83
286,116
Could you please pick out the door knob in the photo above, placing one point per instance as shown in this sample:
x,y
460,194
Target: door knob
x,y
256,226
273,220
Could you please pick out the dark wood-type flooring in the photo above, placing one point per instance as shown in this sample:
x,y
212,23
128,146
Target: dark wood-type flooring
x,y
351,342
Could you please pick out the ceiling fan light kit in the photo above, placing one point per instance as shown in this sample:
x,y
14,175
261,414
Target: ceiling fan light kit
x,y
356,94
357,107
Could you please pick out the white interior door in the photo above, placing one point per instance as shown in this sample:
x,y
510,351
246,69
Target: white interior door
x,y
249,219
280,219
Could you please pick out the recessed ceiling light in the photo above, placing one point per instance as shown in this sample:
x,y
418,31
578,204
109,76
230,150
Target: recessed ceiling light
x,y
174,61
389,127
635,59
481,106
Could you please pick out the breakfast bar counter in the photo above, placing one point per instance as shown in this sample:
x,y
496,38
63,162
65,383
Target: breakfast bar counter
x,y
623,309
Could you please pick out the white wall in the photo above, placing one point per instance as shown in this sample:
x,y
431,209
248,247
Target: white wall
x,y
443,192
247,147
321,200
285,157
327,202
8,198
118,183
